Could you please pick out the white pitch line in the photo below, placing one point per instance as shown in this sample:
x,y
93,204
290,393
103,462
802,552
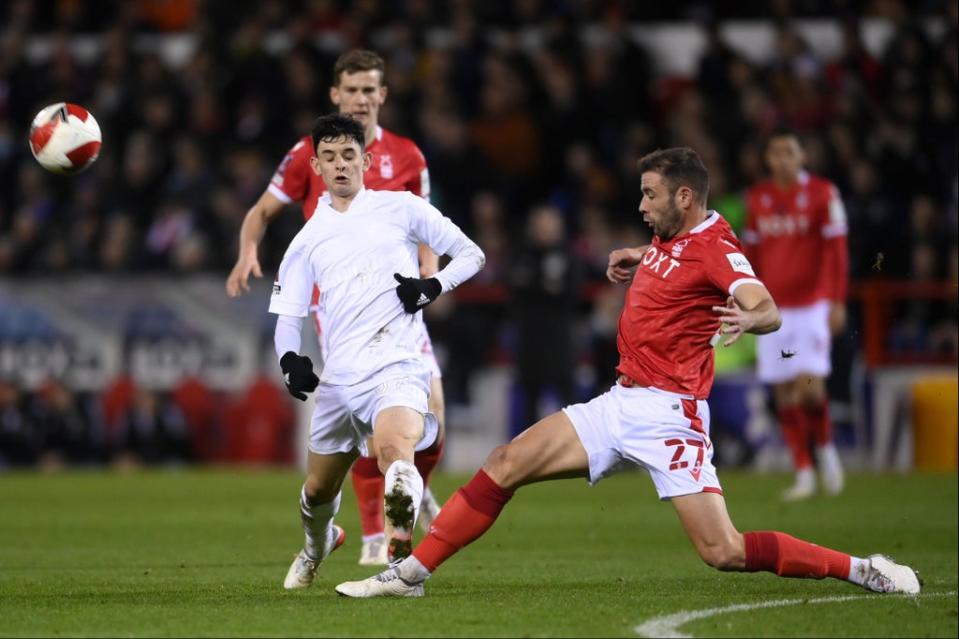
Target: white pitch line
x,y
668,625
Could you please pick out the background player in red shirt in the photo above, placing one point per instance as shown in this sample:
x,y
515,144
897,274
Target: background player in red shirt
x,y
691,284
397,165
796,238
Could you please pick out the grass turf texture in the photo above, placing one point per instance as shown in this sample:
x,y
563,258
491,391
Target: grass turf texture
x,y
203,553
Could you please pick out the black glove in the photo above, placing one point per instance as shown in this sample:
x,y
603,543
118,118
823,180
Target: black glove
x,y
298,375
416,293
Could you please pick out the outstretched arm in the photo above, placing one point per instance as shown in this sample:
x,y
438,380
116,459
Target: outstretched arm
x,y
251,232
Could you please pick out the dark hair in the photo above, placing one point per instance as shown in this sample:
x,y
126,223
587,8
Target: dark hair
x,y
359,60
335,126
780,132
679,166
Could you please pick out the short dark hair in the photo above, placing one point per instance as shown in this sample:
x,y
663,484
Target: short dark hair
x,y
781,132
679,166
335,126
359,60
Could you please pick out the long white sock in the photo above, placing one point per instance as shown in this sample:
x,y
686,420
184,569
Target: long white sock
x,y
402,479
318,525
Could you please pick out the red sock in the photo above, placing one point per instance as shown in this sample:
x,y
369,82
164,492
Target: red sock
x,y
790,557
465,516
426,460
793,424
368,486
819,423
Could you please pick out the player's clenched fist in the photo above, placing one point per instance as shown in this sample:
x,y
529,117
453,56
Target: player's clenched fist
x,y
621,263
238,281
298,375
415,293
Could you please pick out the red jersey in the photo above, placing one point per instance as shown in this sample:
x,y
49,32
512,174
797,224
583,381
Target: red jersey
x,y
398,165
668,322
796,238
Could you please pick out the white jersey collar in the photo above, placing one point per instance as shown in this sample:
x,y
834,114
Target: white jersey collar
x,y
711,219
327,199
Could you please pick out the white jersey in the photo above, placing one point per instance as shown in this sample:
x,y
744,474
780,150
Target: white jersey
x,y
352,257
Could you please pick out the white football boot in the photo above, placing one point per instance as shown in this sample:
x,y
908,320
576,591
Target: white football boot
x,y
386,584
885,575
804,488
429,509
373,552
303,569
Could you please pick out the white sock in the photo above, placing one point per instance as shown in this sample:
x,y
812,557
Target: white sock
x,y
374,537
858,570
412,571
318,525
406,478
806,477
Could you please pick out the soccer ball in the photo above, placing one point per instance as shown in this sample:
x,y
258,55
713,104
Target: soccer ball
x,y
65,138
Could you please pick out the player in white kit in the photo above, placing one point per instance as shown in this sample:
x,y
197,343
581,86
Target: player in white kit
x,y
360,248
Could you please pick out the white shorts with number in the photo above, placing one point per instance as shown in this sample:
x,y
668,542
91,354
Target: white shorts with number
x,y
800,347
343,417
664,433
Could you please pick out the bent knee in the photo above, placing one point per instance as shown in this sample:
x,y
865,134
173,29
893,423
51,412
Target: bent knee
x,y
500,467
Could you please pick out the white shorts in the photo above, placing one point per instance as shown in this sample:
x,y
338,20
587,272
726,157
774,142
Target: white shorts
x,y
425,345
664,433
801,346
343,417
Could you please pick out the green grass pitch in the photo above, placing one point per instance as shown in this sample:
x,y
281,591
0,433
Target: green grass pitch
x,y
204,553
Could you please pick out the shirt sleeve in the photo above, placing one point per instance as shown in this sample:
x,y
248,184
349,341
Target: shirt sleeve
x,y
429,226
419,181
286,336
293,288
291,180
835,265
727,267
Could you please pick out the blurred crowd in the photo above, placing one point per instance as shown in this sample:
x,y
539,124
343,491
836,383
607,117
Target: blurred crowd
x,y
128,425
530,129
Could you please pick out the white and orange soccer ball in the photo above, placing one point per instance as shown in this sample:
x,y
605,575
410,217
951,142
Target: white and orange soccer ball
x,y
65,138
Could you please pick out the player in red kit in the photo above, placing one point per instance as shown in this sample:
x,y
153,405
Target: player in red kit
x,y
796,238
397,165
690,286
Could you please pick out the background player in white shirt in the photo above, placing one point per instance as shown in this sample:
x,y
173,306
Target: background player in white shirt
x,y
356,247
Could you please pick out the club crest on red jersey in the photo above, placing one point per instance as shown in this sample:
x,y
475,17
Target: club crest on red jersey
x,y
386,166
